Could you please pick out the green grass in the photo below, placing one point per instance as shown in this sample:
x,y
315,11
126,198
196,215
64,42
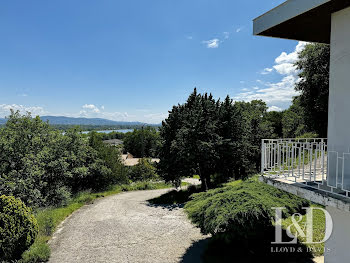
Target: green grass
x,y
196,176
49,218
319,228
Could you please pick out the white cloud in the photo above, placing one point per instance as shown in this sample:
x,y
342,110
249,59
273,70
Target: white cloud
x,y
266,71
226,35
280,94
239,29
92,111
274,108
91,107
189,37
285,62
34,110
212,43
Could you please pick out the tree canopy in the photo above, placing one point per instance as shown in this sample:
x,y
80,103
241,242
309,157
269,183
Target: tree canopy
x,y
313,64
143,142
216,140
43,167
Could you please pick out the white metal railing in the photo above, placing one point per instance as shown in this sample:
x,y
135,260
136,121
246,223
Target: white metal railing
x,y
307,161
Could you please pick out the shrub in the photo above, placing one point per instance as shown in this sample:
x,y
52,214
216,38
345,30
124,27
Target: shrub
x,y
143,171
18,228
308,135
241,209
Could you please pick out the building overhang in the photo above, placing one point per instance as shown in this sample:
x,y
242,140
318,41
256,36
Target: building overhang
x,y
305,20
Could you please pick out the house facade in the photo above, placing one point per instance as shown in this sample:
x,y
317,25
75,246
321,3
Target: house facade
x,y
317,168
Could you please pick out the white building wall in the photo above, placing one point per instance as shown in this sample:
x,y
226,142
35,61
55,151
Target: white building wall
x,y
339,98
338,246
339,92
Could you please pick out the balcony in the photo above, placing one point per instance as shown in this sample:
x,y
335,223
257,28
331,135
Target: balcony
x,y
308,163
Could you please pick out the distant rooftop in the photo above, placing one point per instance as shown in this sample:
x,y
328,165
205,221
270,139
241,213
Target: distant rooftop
x,y
305,20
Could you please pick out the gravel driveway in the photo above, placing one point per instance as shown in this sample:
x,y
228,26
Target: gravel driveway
x,y
126,228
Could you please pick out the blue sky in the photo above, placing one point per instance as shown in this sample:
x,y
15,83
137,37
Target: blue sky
x,y
133,60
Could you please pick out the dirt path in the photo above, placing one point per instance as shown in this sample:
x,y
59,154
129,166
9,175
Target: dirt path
x,y
126,228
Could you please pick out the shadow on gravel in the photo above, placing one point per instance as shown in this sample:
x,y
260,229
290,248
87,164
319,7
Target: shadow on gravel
x,y
195,251
165,206
175,198
223,248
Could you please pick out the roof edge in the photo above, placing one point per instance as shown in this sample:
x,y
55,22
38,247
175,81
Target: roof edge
x,y
284,12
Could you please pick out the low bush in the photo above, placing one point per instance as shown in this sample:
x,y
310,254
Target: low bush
x,y
240,218
240,208
18,228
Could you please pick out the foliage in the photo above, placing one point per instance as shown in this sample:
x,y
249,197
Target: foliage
x,y
241,208
141,143
18,228
240,217
44,167
143,171
308,135
293,121
313,64
112,135
213,139
110,168
275,119
49,218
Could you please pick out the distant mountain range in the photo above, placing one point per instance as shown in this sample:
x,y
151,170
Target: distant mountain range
x,y
61,120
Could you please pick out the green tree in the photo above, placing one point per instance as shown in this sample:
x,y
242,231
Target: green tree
x,y
109,167
216,140
293,120
313,64
251,128
190,140
275,119
143,171
43,167
141,143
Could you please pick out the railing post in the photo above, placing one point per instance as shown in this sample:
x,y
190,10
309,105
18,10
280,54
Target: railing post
x,y
262,157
